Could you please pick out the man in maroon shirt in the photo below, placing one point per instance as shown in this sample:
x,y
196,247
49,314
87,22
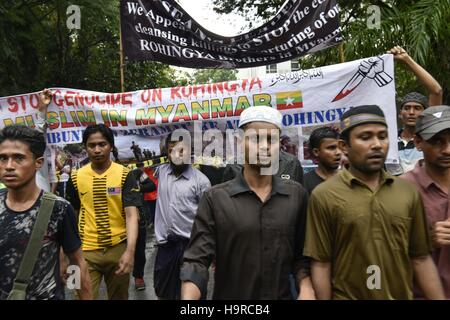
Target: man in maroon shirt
x,y
432,178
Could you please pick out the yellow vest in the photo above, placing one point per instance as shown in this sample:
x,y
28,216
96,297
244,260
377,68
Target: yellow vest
x,y
101,222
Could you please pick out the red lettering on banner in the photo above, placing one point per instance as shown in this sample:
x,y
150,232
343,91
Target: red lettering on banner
x,y
99,100
58,102
90,100
68,98
244,84
13,105
175,93
127,99
34,100
199,88
21,102
186,91
151,95
230,87
255,81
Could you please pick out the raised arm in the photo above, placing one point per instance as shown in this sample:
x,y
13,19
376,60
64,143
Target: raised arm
x,y
431,85
45,97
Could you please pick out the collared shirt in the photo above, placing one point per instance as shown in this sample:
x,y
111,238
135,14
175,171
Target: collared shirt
x,y
255,245
436,203
408,156
177,202
360,231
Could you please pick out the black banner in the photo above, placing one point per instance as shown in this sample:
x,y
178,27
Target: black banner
x,y
163,31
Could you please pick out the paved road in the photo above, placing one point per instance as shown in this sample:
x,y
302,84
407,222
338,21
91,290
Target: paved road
x,y
149,292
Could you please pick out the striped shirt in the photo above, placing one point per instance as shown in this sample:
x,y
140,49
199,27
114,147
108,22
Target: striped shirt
x,y
100,200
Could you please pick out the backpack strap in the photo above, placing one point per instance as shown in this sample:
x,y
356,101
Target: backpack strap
x,y
34,246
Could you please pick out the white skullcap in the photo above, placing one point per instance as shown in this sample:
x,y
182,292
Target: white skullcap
x,y
261,114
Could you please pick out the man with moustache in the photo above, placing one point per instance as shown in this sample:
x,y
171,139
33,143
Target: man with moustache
x,y
252,226
180,187
432,178
323,143
366,230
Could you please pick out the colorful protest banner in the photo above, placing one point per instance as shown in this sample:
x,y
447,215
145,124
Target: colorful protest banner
x,y
163,31
307,99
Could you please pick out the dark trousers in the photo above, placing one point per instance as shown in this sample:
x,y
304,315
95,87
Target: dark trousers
x,y
139,254
166,277
151,207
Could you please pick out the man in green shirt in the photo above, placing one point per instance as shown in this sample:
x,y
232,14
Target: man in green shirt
x,y
366,230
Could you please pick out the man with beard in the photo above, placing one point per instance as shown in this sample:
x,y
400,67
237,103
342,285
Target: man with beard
x,y
252,226
180,187
432,178
366,230
323,143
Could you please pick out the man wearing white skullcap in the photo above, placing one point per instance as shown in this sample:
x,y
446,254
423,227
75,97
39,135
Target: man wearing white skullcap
x,y
253,226
289,166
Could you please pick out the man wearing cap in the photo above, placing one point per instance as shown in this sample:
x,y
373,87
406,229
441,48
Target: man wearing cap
x,y
252,226
366,230
411,106
432,178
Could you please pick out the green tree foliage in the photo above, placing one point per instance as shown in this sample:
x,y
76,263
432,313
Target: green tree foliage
x,y
38,50
213,75
420,26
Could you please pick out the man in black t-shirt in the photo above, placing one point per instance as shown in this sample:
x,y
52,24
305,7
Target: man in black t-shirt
x,y
21,155
323,143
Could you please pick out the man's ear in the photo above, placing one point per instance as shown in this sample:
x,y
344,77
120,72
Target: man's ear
x,y
418,142
343,146
39,162
315,152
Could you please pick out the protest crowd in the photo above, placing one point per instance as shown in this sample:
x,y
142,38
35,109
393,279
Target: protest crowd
x,y
353,226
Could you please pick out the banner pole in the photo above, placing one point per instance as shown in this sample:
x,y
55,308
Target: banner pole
x,y
122,64
341,52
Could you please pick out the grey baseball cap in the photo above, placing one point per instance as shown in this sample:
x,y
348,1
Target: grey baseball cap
x,y
433,120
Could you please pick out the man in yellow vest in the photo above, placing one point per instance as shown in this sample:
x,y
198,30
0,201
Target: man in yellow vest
x,y
106,197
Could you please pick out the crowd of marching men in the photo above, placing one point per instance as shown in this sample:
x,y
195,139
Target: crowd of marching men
x,y
352,228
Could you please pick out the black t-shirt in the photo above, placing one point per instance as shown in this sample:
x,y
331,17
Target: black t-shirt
x,y
214,174
312,180
15,232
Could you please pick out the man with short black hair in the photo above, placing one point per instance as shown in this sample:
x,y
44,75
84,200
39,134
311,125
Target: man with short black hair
x,y
323,143
432,178
21,156
106,196
411,106
366,230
